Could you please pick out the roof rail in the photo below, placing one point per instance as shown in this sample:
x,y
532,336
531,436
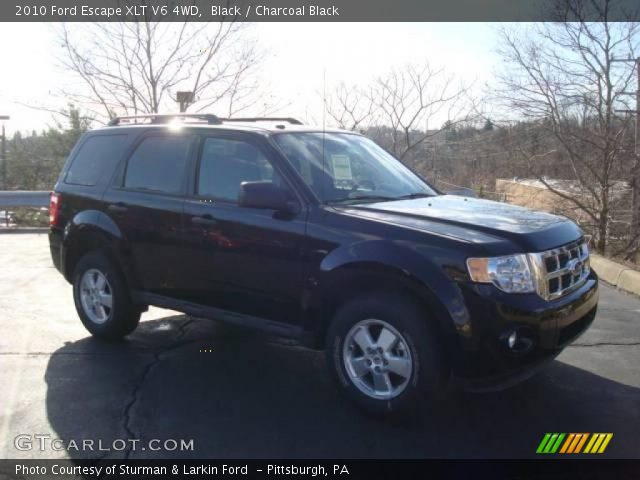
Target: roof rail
x,y
292,121
166,118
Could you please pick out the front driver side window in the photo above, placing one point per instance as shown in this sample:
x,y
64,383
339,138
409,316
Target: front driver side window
x,y
226,163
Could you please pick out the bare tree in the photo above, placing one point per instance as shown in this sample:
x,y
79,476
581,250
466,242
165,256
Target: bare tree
x,y
396,108
563,75
408,98
350,107
137,67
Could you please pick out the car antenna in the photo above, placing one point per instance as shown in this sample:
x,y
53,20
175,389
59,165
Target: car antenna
x,y
324,132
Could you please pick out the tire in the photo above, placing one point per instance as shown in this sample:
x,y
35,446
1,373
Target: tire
x,y
95,280
416,341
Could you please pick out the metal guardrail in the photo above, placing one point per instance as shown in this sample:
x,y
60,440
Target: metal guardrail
x,y
20,198
23,198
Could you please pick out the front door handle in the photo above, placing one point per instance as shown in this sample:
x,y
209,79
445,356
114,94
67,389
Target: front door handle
x,y
117,208
204,220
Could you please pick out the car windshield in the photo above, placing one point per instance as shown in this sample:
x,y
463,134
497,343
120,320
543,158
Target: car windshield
x,y
347,168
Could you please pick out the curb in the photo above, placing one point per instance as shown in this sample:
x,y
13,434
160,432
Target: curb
x,y
629,281
620,276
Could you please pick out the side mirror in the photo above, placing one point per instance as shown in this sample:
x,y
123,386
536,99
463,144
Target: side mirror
x,y
265,195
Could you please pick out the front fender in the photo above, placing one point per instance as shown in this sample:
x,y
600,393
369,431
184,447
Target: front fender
x,y
422,264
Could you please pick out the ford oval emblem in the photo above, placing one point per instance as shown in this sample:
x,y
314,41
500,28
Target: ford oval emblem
x,y
575,267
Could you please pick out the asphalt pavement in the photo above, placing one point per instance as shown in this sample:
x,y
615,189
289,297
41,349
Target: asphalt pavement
x,y
229,393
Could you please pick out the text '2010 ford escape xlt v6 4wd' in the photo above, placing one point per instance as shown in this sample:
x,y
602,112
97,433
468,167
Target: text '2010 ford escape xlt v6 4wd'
x,y
320,236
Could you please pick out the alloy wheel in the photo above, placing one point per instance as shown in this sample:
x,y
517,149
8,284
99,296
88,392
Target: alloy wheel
x,y
96,296
377,359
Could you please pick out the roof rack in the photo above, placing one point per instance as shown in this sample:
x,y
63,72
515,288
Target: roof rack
x,y
292,121
209,118
158,118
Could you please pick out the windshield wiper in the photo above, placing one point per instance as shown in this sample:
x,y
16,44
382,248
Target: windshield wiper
x,y
380,198
362,198
410,196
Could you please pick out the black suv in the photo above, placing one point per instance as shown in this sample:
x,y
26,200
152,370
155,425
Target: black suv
x,y
321,236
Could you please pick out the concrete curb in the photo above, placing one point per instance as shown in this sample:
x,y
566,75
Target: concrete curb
x,y
616,274
629,281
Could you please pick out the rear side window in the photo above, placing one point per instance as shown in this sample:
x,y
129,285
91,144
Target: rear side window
x,y
96,158
158,164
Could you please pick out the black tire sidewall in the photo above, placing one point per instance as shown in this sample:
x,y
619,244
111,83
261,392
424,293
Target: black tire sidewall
x,y
123,317
406,316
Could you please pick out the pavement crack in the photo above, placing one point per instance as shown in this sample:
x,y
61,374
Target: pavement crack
x,y
182,329
135,394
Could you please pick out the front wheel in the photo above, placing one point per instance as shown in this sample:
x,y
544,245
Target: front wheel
x,y
102,299
384,353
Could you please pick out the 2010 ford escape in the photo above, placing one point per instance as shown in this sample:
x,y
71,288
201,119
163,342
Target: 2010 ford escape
x,y
320,236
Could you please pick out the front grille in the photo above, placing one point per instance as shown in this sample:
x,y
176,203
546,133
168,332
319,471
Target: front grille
x,y
561,270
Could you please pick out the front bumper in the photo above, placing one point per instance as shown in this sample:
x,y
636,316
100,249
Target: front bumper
x,y
485,361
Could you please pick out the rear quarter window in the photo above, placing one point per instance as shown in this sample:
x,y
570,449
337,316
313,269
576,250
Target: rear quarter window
x,y
97,158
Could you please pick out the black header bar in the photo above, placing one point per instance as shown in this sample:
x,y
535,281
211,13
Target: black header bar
x,y
295,10
330,469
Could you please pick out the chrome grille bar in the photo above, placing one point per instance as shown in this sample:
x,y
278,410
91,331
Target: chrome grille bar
x,y
561,270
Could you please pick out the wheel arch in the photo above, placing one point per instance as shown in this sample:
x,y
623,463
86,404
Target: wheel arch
x,y
385,267
92,230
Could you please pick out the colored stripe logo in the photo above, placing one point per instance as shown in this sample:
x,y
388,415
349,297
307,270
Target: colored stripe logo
x,y
574,443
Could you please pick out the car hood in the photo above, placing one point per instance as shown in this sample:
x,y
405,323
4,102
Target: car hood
x,y
475,220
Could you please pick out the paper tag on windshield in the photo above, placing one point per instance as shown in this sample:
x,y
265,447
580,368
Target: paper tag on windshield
x,y
341,167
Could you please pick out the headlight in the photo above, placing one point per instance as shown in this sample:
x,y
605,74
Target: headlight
x,y
511,274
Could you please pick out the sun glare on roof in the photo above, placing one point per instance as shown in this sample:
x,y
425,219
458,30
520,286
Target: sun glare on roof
x,y
175,125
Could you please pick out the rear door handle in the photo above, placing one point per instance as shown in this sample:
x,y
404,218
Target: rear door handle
x,y
204,220
117,208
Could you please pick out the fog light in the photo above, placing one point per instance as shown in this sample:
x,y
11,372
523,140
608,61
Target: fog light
x,y
518,340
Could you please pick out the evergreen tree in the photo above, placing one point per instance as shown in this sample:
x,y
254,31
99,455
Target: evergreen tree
x,y
488,125
34,162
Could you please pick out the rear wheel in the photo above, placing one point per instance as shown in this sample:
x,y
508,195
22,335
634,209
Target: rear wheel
x,y
384,354
102,299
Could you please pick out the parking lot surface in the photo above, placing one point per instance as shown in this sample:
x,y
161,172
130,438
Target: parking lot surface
x,y
238,394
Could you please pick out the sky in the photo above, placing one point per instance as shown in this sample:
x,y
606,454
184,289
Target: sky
x,y
300,58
